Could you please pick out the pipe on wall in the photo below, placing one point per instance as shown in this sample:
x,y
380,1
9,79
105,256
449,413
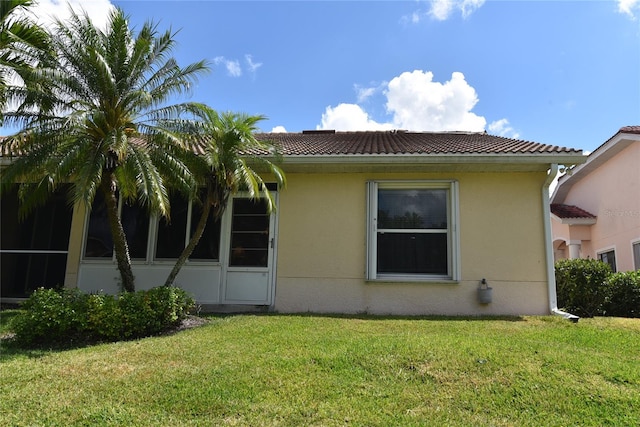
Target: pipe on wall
x,y
551,274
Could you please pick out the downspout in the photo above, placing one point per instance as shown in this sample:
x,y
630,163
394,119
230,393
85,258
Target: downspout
x,y
551,274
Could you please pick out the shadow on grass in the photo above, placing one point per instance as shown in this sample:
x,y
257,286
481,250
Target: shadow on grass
x,y
366,316
6,316
9,349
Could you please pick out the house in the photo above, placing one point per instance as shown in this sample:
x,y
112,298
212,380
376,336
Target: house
x,y
596,205
391,222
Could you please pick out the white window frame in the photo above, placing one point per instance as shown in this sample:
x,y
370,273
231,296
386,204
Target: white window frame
x,y
636,261
453,238
152,236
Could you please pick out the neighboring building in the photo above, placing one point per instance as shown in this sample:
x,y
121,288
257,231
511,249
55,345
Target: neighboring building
x,y
370,222
596,206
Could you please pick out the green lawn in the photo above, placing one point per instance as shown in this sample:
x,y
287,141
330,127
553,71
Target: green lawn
x,y
278,370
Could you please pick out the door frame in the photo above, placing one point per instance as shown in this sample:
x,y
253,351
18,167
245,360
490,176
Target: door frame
x,y
225,242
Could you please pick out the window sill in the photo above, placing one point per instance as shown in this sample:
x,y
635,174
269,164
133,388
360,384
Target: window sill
x,y
137,262
420,280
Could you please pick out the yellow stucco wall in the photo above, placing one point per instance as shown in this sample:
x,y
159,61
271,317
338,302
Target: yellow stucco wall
x,y
75,246
322,247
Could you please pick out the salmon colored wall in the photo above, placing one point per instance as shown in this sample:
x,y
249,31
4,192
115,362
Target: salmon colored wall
x,y
612,193
322,247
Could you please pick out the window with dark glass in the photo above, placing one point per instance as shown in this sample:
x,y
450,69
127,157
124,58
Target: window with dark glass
x,y
610,258
249,233
172,235
33,250
135,222
410,230
208,248
172,231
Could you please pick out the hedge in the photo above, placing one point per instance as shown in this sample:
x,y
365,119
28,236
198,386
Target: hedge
x,y
587,288
70,317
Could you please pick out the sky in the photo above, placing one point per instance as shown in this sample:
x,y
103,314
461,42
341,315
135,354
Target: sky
x,y
556,72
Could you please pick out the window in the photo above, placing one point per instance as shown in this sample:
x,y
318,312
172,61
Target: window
x,y
249,233
636,255
412,230
170,237
135,222
610,258
33,250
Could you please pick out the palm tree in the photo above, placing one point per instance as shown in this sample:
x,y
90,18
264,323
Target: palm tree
x,y
103,123
230,160
22,44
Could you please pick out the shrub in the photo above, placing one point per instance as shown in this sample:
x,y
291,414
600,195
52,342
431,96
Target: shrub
x,y
103,317
49,314
581,286
624,294
67,317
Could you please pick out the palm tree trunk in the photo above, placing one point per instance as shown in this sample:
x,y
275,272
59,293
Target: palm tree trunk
x,y
120,246
193,241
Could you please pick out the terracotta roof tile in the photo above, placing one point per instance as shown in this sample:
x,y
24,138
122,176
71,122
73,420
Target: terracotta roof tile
x,y
331,143
569,211
401,142
630,129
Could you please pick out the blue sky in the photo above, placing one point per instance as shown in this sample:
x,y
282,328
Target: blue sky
x,y
557,72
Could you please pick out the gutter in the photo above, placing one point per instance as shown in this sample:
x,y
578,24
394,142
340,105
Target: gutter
x,y
551,275
466,158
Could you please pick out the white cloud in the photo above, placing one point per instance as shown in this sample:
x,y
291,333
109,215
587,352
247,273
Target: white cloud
x,y
232,65
47,11
441,10
419,103
349,117
415,102
279,129
628,6
503,128
467,7
364,93
253,66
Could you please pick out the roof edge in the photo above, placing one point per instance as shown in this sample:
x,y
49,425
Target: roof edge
x,y
614,145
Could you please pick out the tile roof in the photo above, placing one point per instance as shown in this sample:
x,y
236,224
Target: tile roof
x,y
327,143
569,211
332,143
630,129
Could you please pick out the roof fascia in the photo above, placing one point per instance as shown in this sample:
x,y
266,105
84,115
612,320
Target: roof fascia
x,y
598,157
560,158
395,163
575,221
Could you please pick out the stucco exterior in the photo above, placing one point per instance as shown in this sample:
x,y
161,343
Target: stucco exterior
x,y
607,186
322,248
484,215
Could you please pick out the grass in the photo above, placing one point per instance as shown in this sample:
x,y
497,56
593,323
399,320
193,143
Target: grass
x,y
279,370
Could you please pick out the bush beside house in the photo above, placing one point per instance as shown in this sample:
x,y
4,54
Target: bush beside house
x,y
70,317
588,288
624,294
